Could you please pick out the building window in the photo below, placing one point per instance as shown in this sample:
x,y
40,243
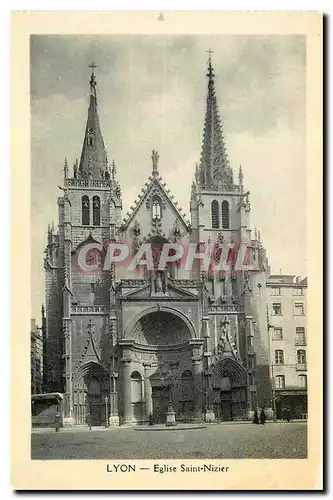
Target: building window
x,y
299,309
302,381
90,140
96,211
157,211
277,309
298,291
85,211
301,357
279,358
277,334
280,382
225,215
276,291
300,335
215,215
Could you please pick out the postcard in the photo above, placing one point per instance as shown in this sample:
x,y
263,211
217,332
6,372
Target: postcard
x,y
166,179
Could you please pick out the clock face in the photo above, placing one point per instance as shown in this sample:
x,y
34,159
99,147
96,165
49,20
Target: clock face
x,y
91,130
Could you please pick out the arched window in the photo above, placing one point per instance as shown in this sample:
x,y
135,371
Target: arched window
x,y
279,357
85,211
112,212
96,211
215,215
225,215
136,387
157,210
90,140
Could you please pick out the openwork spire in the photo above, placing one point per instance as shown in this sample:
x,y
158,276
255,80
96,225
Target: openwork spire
x,y
93,157
214,164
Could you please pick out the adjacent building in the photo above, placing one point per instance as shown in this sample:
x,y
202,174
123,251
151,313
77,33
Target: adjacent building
x,y
125,341
287,330
36,358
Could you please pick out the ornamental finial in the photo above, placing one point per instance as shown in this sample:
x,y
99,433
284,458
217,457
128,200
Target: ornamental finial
x,y
65,168
155,157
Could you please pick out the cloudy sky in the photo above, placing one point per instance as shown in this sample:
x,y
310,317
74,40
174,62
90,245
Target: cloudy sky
x,y
151,95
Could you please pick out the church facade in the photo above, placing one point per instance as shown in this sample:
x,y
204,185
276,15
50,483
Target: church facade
x,y
126,339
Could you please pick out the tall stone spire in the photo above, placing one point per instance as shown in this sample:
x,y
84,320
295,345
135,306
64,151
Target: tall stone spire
x,y
93,157
214,164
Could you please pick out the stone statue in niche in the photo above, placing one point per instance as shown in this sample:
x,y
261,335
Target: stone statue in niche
x,y
158,283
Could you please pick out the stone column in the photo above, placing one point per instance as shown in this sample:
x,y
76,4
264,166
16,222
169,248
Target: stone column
x,y
148,390
127,397
114,415
196,367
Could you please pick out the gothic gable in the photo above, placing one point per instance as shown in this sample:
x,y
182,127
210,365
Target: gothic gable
x,y
155,213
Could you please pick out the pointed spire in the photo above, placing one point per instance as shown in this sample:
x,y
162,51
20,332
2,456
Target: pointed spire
x,y
197,173
65,169
214,163
240,177
193,191
114,170
93,156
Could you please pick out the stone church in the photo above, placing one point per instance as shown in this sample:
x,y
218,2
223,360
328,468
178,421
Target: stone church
x,y
125,341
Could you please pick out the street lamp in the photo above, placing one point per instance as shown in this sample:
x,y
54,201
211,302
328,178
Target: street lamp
x,y
106,399
171,414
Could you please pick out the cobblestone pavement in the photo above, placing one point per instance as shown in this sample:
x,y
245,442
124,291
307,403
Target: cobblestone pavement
x,y
272,440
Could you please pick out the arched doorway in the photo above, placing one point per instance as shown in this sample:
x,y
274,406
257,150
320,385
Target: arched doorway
x,y
229,390
162,335
90,389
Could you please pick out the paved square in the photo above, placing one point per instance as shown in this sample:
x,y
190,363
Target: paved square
x,y
272,440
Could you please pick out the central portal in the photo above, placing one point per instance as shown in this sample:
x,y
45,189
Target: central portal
x,y
166,356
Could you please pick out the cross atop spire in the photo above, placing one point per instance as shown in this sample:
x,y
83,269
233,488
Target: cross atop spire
x,y
92,81
92,66
210,73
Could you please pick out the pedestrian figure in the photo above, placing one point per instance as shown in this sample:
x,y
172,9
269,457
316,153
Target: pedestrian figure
x,y
151,419
255,418
57,422
262,416
287,414
88,420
